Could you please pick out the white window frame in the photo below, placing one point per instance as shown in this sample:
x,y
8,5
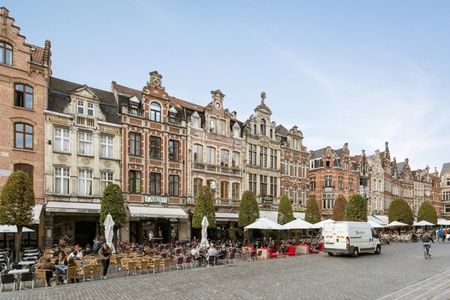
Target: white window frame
x,y
90,109
62,180
61,142
211,155
85,182
80,104
106,146
106,178
85,142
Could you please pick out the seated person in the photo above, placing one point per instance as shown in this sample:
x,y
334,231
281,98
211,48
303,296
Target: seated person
x,y
49,267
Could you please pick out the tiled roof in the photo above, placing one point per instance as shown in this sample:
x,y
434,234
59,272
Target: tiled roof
x,y
37,54
121,89
58,98
445,169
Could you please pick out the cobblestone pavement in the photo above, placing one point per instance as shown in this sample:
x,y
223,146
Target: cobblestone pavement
x,y
400,269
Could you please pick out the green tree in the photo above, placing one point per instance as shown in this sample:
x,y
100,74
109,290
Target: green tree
x,y
356,209
427,213
113,203
248,209
312,213
16,205
204,206
339,208
285,214
400,211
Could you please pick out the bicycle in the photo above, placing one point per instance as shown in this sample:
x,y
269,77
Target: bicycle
x,y
426,251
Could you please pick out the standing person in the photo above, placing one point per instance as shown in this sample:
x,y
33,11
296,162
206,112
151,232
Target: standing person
x,y
439,233
105,251
150,236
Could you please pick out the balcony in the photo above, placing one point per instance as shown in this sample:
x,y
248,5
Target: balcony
x,y
86,122
226,202
328,189
132,111
198,165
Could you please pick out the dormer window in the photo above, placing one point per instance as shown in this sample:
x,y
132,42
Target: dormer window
x,y
90,109
263,127
236,130
155,112
134,106
80,107
172,115
195,119
5,53
212,125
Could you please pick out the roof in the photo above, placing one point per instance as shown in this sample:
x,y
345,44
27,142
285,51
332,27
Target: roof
x,y
317,153
121,89
445,169
37,54
281,130
58,98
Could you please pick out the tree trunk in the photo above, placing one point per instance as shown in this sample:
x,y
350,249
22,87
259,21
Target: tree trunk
x,y
17,242
115,237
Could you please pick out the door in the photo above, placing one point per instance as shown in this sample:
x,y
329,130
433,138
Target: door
x,y
85,232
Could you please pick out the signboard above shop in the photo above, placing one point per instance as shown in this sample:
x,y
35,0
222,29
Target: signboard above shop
x,y
156,199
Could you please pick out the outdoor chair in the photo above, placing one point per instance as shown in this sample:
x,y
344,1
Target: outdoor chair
x,y
84,271
26,277
142,265
70,275
128,266
115,260
96,270
157,265
78,263
7,279
41,276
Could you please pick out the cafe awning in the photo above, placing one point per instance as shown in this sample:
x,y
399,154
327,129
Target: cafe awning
x,y
73,207
224,216
157,212
37,209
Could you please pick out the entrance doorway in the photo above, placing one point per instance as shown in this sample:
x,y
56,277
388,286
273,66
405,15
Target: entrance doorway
x,y
85,232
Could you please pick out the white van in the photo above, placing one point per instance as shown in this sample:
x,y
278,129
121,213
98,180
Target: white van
x,y
350,238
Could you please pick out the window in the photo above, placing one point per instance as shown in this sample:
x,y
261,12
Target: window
x,y
303,170
236,130
262,127
90,109
317,163
173,150
328,163
80,107
286,191
172,115
235,191
23,137
85,182
263,157
263,185
61,139
224,157
84,143
155,112
211,156
254,129
62,180
328,200
252,154
174,185
134,184
134,141
212,125
340,182
294,196
134,106
107,146
155,184
221,127
252,182
212,186
196,121
350,184
197,152
235,159
5,53
155,147
23,96
28,169
295,171
312,183
286,167
303,198
106,179
198,182
448,181
224,190
328,181
273,159
273,187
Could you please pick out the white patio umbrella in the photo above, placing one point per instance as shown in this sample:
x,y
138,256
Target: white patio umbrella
x,y
423,223
396,224
298,224
264,224
109,231
13,229
204,242
321,224
375,224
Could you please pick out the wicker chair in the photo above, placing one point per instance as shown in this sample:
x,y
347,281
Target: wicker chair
x,y
142,265
96,269
84,272
70,275
115,260
41,276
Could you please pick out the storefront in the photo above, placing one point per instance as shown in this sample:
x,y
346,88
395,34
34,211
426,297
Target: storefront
x,y
167,223
79,222
227,225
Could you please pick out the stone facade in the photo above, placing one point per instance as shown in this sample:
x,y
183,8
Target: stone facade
x,y
376,204
445,189
332,173
263,156
24,75
294,166
82,155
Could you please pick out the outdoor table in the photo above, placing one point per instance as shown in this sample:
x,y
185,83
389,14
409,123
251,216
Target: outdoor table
x,y
18,271
31,254
25,264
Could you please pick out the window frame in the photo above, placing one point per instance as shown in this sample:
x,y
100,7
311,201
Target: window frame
x,y
134,140
85,181
155,147
155,113
86,142
64,180
24,134
63,139
6,48
23,92
235,191
154,183
105,180
173,150
133,180
224,190
174,185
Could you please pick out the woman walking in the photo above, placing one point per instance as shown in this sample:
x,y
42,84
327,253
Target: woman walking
x,y
105,251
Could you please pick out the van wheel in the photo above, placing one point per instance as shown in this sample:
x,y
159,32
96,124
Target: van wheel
x,y
378,250
355,252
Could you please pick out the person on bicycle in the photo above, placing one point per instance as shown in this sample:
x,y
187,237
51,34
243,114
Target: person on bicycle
x,y
427,240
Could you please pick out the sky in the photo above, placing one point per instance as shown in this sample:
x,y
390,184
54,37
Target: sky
x,y
362,72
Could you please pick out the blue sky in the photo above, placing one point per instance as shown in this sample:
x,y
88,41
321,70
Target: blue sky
x,y
344,71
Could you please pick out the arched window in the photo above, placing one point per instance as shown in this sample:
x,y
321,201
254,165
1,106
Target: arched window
x,y
23,136
155,112
5,53
23,96
263,127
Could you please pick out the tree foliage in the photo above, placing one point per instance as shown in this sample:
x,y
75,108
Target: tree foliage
x,y
285,214
400,211
312,213
427,213
248,209
16,204
113,203
204,206
356,209
339,208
